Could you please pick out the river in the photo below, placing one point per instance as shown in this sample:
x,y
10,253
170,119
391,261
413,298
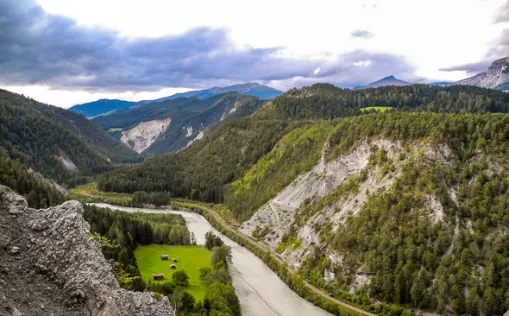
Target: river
x,y
260,291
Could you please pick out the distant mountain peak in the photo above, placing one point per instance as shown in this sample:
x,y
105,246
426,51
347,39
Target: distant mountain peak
x,y
387,81
106,106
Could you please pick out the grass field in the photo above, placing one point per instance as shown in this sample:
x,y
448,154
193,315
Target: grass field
x,y
376,108
190,258
89,193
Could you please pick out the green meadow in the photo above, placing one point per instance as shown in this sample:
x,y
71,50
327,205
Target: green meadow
x,y
376,108
190,258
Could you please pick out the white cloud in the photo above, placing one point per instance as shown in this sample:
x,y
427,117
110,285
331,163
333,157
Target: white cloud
x,y
66,98
317,71
430,35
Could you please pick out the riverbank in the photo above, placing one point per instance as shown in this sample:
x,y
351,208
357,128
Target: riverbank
x,y
261,292
276,263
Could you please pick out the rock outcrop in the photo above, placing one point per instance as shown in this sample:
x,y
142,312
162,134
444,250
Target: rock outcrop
x,y
144,134
50,265
496,76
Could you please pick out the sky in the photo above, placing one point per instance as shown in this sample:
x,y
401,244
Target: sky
x,y
66,52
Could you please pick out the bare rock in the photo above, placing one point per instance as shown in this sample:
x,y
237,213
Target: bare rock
x,y
58,269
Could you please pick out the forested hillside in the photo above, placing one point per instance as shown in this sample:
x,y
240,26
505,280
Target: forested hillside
x,y
201,171
406,208
205,169
325,101
189,119
61,145
39,192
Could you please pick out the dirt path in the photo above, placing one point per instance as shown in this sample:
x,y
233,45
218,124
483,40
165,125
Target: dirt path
x,y
280,260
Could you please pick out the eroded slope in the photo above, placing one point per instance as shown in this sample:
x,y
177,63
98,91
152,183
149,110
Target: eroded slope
x,y
50,265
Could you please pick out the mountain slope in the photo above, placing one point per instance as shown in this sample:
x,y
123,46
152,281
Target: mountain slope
x,y
407,207
106,106
325,101
170,125
59,144
387,81
497,75
205,168
101,107
416,201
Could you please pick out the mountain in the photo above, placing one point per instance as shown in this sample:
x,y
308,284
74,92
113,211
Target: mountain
x,y
170,125
105,106
224,153
387,81
503,87
406,207
101,107
251,88
59,144
496,76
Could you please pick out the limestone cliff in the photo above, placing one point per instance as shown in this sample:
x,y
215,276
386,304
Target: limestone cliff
x,y
496,76
50,265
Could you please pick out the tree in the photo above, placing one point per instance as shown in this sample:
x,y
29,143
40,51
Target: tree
x,y
180,277
182,300
222,254
212,241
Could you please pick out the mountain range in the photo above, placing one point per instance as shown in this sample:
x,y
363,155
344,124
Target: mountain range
x,y
393,212
106,106
170,125
408,207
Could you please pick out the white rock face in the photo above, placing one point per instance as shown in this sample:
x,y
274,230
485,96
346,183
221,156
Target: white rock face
x,y
189,131
140,137
317,183
57,268
278,214
497,74
68,164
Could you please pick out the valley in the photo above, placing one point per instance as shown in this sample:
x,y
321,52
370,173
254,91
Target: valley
x,y
387,200
229,158
259,288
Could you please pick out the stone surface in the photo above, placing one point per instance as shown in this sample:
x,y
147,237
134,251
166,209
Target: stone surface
x,y
58,268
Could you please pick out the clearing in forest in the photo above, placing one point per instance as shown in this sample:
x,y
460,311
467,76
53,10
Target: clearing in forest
x,y
189,258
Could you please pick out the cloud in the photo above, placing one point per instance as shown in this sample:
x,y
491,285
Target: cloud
x,y
40,48
471,68
503,13
500,49
362,34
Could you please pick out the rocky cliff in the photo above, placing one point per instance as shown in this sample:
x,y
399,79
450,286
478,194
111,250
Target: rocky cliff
x,y
497,75
50,265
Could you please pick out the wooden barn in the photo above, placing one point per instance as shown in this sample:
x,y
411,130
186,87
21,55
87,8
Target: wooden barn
x,y
164,257
158,276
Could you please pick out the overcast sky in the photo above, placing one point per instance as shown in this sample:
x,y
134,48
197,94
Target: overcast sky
x,y
66,52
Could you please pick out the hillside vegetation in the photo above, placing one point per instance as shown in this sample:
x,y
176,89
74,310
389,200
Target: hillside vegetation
x,y
225,155
40,135
424,219
407,207
190,117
